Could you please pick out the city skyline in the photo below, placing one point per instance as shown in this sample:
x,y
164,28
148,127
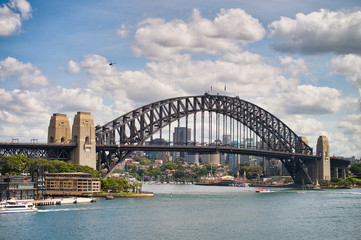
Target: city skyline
x,y
299,60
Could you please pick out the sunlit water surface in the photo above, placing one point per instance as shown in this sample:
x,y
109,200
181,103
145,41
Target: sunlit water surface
x,y
197,212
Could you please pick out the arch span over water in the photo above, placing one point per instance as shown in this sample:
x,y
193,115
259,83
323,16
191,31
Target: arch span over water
x,y
138,125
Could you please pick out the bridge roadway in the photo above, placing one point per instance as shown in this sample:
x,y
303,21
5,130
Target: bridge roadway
x,y
38,150
206,149
337,161
62,151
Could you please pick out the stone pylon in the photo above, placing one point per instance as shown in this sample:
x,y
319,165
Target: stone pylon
x,y
59,129
322,168
304,139
83,135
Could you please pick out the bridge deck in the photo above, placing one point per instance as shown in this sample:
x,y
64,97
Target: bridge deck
x,y
207,149
37,145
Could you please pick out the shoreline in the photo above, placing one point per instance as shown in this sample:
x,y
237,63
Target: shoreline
x,y
125,195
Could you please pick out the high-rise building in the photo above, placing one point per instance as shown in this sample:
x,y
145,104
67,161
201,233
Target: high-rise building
x,y
165,156
213,159
191,158
226,139
181,136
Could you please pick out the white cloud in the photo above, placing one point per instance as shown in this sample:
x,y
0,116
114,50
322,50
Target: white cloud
x,y
351,127
294,67
23,114
28,75
30,111
73,100
158,39
305,126
349,65
122,31
22,102
23,6
308,99
244,74
351,124
73,67
11,19
319,32
243,58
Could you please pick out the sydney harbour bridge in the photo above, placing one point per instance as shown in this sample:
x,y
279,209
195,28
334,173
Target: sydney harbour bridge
x,y
250,130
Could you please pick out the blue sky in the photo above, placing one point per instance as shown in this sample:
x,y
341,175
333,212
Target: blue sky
x,y
300,60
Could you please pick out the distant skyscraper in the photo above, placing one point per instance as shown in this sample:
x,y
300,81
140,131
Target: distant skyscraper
x,y
181,135
226,139
234,161
165,156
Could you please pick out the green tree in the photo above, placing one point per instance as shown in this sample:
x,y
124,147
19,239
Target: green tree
x,y
14,165
141,172
169,165
142,160
17,164
155,172
254,172
115,185
179,175
356,169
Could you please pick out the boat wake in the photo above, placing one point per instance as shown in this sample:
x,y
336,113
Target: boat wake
x,y
63,210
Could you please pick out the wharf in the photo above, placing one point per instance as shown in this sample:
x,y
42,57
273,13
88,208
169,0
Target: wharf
x,y
62,201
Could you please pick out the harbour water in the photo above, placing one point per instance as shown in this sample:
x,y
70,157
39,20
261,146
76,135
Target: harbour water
x,y
197,212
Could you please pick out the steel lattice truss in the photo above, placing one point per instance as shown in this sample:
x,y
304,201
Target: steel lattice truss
x,y
46,151
140,124
135,127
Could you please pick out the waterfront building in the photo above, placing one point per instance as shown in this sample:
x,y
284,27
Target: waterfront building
x,y
158,163
72,184
18,187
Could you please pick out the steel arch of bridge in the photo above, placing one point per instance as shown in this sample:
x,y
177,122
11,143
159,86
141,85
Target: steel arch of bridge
x,y
135,127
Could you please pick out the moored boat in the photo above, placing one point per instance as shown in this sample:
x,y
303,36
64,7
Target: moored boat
x,y
13,206
109,197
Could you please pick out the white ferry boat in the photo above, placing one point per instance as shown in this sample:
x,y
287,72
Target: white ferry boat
x,y
13,206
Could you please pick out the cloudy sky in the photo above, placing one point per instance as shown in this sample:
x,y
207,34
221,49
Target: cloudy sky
x,y
300,60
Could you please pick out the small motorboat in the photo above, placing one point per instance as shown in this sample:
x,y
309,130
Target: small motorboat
x,y
109,197
13,206
262,190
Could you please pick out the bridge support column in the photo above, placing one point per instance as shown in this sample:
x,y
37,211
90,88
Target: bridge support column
x,y
335,173
344,173
83,133
322,168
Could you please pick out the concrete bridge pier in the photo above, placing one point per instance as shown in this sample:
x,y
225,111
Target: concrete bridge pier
x,y
335,172
82,134
321,169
